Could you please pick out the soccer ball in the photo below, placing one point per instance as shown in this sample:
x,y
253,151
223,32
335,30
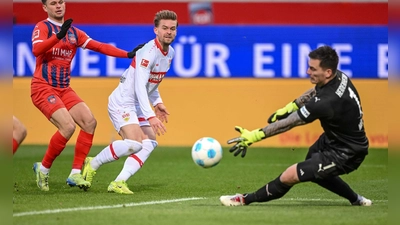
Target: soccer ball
x,y
206,152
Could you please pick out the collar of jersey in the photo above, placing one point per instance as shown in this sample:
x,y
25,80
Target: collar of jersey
x,y
54,22
160,47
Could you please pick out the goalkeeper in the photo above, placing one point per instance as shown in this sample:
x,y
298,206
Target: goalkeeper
x,y
340,149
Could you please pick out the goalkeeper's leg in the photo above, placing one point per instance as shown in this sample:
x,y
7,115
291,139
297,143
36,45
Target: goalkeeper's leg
x,y
278,187
275,189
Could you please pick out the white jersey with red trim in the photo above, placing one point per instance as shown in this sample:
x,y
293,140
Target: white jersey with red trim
x,y
139,83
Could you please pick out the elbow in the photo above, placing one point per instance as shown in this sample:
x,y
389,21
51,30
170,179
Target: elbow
x,y
35,52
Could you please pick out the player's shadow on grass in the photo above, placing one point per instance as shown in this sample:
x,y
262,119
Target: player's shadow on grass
x,y
146,187
99,188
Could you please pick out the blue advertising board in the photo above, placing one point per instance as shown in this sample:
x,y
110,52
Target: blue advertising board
x,y
227,51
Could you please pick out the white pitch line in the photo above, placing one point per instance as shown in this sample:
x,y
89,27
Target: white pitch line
x,y
54,211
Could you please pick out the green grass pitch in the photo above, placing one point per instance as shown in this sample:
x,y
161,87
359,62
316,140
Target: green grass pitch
x,y
170,189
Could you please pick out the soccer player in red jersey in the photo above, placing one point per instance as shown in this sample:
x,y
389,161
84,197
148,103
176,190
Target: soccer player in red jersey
x,y
54,43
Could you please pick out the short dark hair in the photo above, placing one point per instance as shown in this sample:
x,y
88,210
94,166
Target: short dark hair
x,y
165,15
44,2
328,57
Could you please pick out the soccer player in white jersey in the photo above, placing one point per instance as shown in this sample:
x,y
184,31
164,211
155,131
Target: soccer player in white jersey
x,y
129,108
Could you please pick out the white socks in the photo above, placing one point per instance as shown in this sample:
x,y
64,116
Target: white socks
x,y
44,169
114,151
135,161
74,171
47,170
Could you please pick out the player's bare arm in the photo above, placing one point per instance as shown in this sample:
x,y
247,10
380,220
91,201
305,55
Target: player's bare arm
x,y
284,125
284,112
304,98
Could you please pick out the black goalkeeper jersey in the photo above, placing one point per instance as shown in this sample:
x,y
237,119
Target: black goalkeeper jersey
x,y
338,107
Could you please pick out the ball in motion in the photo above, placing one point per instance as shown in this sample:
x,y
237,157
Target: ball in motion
x,y
207,152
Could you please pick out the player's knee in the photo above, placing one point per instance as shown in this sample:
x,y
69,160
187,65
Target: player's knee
x,y
151,136
93,123
148,133
290,177
21,130
306,170
23,133
134,146
89,125
68,129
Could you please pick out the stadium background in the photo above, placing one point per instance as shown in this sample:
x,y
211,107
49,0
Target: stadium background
x,y
207,103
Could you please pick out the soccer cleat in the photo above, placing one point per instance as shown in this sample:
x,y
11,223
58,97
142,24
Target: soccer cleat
x,y
88,172
42,180
120,187
362,201
232,200
77,180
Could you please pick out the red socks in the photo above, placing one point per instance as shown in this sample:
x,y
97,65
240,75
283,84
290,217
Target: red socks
x,y
56,146
82,148
15,146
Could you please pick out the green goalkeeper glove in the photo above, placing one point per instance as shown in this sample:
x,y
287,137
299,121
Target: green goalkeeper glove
x,y
245,140
283,112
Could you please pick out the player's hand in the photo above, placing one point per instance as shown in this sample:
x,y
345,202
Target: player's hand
x,y
246,139
157,125
64,29
161,112
283,112
133,52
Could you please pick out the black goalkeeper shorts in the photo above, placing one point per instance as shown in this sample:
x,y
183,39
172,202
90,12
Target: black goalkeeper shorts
x,y
323,160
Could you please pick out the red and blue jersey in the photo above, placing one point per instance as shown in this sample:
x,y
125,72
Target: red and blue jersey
x,y
53,56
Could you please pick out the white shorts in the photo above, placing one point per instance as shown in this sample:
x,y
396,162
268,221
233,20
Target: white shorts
x,y
122,116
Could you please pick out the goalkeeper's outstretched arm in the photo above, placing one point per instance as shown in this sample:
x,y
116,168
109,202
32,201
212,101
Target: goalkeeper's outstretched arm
x,y
292,106
281,126
304,98
247,137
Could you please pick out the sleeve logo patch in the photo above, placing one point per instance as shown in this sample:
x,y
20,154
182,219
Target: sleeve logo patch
x,y
144,63
35,34
304,112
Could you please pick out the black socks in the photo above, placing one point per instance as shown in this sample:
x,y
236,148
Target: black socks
x,y
273,190
339,187
276,189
